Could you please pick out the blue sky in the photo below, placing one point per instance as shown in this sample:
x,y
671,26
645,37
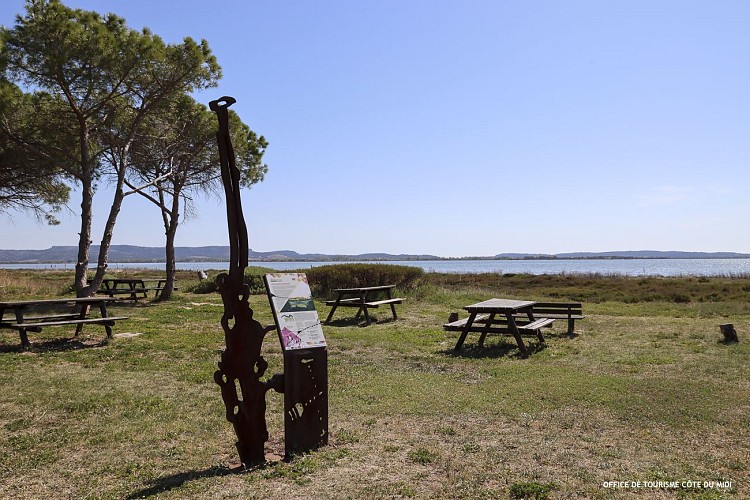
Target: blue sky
x,y
466,128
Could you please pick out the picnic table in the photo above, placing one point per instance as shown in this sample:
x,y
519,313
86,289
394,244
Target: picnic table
x,y
364,298
32,315
134,288
501,316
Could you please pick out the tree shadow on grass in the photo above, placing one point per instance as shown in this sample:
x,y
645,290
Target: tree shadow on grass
x,y
502,349
55,345
361,322
167,483
135,304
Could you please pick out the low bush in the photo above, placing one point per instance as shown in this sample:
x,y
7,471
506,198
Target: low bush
x,y
253,278
324,279
531,490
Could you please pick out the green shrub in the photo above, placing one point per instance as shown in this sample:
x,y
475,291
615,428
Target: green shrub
x,y
681,298
205,286
324,279
531,490
253,278
422,456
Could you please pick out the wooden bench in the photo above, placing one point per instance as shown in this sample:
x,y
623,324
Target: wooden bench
x,y
486,324
363,299
556,310
33,315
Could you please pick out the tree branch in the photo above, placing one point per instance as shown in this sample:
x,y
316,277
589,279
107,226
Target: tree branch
x,y
138,189
145,195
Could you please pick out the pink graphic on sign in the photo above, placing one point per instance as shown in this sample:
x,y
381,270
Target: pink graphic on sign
x,y
290,339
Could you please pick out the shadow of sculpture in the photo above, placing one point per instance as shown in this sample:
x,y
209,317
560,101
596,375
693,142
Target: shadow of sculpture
x,y
176,480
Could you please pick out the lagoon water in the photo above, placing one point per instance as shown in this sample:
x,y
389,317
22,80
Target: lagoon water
x,y
627,267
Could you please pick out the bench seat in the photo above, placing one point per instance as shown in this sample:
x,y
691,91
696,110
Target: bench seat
x,y
378,303
461,323
39,324
535,325
344,302
356,302
31,319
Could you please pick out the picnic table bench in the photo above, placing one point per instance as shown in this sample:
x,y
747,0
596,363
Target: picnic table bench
x,y
505,316
133,288
556,310
364,298
32,315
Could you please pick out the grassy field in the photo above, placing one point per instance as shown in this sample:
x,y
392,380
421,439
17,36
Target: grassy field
x,y
645,392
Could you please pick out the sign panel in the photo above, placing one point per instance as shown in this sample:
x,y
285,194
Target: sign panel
x,y
294,311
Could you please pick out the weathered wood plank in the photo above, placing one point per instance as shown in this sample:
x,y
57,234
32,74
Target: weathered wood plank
x,y
382,302
535,325
109,319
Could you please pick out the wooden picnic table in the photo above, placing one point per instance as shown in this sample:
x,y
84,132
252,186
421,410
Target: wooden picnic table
x,y
512,321
32,315
364,298
134,288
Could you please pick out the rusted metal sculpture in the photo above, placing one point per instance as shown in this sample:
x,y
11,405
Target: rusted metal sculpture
x,y
241,366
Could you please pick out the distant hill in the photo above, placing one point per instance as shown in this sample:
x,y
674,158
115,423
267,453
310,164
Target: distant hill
x,y
628,254
131,253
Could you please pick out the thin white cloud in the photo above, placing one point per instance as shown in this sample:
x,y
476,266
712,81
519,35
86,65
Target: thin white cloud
x,y
666,195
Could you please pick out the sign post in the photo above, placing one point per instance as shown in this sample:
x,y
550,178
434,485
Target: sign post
x,y
305,362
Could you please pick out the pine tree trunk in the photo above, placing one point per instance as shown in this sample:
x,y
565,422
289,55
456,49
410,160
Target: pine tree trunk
x,y
166,292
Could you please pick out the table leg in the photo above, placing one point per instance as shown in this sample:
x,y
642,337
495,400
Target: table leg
x,y
82,315
330,314
516,334
359,310
22,331
465,331
530,314
363,308
486,330
103,312
571,323
393,306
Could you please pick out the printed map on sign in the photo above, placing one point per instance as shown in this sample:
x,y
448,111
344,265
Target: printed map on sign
x,y
292,305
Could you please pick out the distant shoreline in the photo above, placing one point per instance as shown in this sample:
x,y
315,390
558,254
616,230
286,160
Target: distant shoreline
x,y
609,266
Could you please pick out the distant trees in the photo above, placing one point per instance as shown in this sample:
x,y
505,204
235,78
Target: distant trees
x,y
92,84
175,159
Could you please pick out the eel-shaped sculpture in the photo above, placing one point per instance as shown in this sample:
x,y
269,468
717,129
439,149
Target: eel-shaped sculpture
x,y
241,365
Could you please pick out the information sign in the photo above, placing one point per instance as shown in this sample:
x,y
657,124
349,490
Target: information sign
x,y
294,311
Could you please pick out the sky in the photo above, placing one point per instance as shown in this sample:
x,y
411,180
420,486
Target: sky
x,y
466,128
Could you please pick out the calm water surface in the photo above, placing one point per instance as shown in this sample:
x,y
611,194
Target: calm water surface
x,y
628,267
